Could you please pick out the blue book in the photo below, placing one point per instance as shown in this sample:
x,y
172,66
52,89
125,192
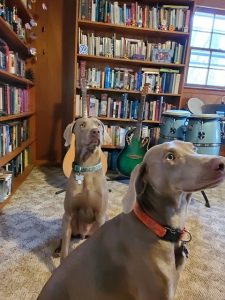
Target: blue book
x,y
107,83
124,105
135,109
139,80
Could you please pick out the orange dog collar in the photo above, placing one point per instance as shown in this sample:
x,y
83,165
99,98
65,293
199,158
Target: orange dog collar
x,y
163,232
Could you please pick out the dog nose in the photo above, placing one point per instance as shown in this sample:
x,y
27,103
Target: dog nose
x,y
95,132
218,165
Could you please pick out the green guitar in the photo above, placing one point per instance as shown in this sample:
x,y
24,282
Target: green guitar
x,y
135,146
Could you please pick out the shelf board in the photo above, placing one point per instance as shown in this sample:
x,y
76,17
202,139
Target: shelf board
x,y
126,120
174,2
123,120
130,92
111,147
9,156
16,116
22,10
14,78
17,181
131,29
12,40
134,62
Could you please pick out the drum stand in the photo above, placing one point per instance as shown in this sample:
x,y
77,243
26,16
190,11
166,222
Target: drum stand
x,y
206,199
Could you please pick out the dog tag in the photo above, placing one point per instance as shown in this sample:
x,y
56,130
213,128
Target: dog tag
x,y
185,250
79,178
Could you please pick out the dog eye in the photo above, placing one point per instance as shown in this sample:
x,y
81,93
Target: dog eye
x,y
82,125
170,156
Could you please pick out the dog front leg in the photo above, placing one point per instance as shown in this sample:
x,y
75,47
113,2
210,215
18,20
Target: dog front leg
x,y
67,231
100,220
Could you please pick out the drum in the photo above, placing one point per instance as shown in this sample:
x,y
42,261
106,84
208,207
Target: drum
x,y
173,125
204,132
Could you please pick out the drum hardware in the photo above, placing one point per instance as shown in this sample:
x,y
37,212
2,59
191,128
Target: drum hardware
x,y
222,130
201,133
173,129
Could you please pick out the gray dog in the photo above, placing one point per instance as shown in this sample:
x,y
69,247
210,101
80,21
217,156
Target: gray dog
x,y
86,193
139,255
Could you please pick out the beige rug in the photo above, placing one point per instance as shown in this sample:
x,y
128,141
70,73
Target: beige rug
x,y
30,227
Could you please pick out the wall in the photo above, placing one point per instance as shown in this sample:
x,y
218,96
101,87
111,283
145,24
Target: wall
x,y
54,76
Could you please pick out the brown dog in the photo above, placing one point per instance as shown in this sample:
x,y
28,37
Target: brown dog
x,y
139,255
86,193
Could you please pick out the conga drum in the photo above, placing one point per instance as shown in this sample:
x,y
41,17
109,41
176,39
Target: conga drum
x,y
204,131
173,125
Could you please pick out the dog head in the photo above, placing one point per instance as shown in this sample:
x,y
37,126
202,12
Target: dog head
x,y
175,167
89,132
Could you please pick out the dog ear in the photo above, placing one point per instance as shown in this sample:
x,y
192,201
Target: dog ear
x,y
141,182
68,133
106,137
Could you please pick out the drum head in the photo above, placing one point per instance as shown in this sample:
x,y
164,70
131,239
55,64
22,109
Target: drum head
x,y
177,112
195,105
205,116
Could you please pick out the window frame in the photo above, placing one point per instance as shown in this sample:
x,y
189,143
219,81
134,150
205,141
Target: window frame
x,y
209,10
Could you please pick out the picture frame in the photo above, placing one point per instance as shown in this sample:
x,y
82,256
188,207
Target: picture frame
x,y
162,55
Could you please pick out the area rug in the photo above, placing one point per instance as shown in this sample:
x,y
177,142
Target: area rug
x,y
30,228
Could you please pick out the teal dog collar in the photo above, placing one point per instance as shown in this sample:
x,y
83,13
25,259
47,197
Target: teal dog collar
x,y
79,169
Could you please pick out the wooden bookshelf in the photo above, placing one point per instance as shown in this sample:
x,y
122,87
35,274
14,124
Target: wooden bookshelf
x,y
17,116
8,77
17,181
122,120
94,30
131,30
23,11
18,46
130,62
13,40
9,156
129,92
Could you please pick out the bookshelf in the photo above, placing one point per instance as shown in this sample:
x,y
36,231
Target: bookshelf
x,y
107,35
17,98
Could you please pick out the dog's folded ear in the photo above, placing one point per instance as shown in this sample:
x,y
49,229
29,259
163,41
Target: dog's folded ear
x,y
141,181
68,133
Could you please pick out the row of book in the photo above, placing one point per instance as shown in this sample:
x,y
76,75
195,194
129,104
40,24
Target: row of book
x,y
160,80
12,135
10,15
118,133
112,156
10,61
130,48
122,107
165,17
13,100
19,163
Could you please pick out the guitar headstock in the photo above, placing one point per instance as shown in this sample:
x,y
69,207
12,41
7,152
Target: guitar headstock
x,y
145,90
83,81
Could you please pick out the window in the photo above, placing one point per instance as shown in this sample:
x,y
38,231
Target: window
x,y
207,54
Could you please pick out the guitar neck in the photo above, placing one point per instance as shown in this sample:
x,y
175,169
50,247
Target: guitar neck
x,y
137,132
83,85
84,102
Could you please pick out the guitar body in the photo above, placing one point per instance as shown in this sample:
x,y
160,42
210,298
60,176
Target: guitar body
x,y
131,155
70,157
135,146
